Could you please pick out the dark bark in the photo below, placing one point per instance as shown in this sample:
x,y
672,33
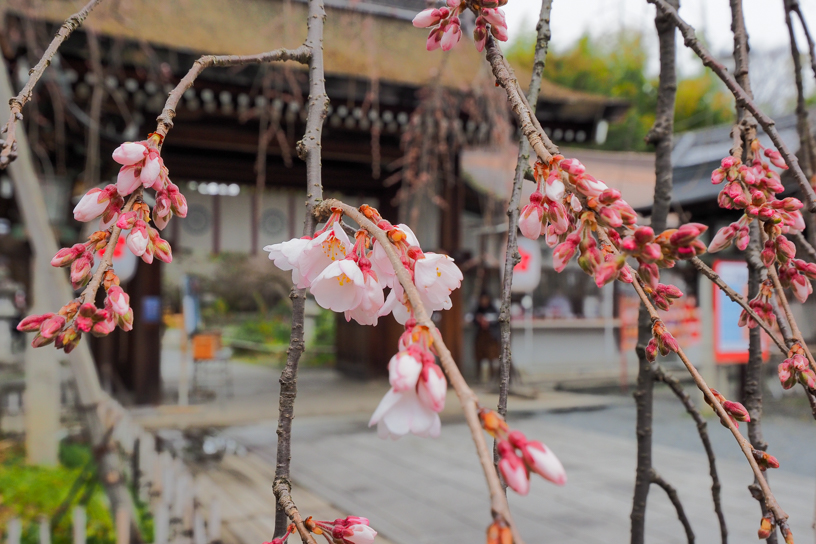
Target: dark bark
x,y
702,428
512,257
661,136
308,149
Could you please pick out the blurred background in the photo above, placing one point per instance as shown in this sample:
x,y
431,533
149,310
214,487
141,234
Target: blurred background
x,y
428,140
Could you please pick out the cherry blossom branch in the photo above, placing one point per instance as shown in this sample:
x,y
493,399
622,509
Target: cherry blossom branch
x,y
530,127
308,149
662,375
795,8
660,136
739,299
89,293
512,257
467,398
8,153
742,98
283,492
655,478
302,54
802,121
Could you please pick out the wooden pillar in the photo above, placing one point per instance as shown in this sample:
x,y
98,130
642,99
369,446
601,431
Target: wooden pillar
x,y
451,321
144,346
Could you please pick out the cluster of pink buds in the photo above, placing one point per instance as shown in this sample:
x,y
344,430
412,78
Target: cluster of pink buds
x,y
762,305
80,257
351,278
661,342
418,388
446,28
143,240
664,295
796,275
737,230
349,530
736,411
796,369
519,456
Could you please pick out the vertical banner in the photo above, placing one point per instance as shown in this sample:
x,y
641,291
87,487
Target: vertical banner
x,y
730,340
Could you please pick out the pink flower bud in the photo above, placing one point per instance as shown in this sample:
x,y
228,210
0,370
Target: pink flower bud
x,y
736,410
651,252
32,323
452,34
495,17
801,287
81,270
479,36
649,273
432,388
130,153
104,327
161,247
403,371
150,172
670,291
434,39
785,250
499,32
128,179
651,350
610,218
429,17
530,221
542,461
52,326
67,255
554,187
512,469
572,167
722,239
92,205
669,342
119,300
138,239
643,235
776,158
609,196
717,176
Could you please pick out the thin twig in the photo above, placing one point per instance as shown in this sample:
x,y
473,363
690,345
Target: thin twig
x,y
739,299
512,257
8,153
655,478
803,243
165,120
742,98
467,398
309,150
661,374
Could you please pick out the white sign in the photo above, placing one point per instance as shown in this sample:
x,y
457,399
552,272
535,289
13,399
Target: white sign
x,y
527,273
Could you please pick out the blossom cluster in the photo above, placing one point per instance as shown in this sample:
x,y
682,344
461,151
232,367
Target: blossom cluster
x,y
418,389
796,369
753,189
761,304
519,456
142,168
352,279
349,530
569,207
446,28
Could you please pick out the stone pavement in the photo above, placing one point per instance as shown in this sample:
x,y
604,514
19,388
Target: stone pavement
x,y
423,491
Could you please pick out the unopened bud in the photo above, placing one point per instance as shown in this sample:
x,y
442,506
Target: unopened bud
x,y
493,423
765,528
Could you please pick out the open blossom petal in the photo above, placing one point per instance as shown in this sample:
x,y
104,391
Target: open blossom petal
x,y
401,413
435,276
367,312
285,255
340,286
330,246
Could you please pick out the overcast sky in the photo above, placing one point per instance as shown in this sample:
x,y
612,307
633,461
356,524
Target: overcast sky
x,y
764,19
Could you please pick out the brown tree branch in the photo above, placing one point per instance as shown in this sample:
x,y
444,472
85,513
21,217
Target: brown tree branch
x,y
739,299
8,152
742,98
661,374
661,137
794,7
165,120
655,478
308,149
283,492
511,255
802,121
467,398
803,243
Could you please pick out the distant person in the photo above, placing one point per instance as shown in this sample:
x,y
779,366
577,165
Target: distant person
x,y
487,346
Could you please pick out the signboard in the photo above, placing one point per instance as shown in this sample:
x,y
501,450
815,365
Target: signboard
x,y
730,340
527,273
